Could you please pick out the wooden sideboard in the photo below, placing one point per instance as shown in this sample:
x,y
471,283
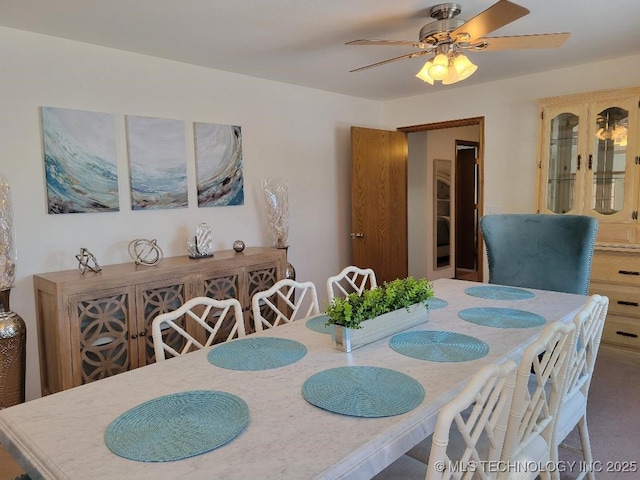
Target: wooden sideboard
x,y
95,325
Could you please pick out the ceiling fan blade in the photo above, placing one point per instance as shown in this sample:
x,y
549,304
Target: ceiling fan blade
x,y
394,59
496,16
389,42
521,42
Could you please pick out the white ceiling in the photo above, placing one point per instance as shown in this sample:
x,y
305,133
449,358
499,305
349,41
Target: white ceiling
x,y
302,42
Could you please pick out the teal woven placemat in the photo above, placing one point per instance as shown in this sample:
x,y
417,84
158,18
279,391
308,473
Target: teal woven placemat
x,y
318,324
177,426
434,303
497,292
362,391
502,317
439,346
257,353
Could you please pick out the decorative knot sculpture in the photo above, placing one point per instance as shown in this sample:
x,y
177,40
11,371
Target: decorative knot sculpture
x,y
145,252
86,260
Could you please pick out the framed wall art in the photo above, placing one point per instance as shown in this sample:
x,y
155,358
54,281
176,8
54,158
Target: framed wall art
x,y
80,161
157,163
218,152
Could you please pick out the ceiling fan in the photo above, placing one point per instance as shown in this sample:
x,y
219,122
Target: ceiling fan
x,y
447,37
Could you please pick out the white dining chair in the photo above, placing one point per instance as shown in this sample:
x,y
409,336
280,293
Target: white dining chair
x,y
540,383
351,279
476,416
287,300
589,323
198,323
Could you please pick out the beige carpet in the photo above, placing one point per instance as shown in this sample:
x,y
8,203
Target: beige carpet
x,y
613,416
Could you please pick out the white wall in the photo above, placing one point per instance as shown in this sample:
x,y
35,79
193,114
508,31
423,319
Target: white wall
x,y
298,133
419,206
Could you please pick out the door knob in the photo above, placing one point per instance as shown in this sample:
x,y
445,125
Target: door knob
x,y
357,235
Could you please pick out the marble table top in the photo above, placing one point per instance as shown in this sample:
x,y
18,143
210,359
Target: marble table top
x,y
62,435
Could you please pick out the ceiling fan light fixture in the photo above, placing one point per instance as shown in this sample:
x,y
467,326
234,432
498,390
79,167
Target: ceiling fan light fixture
x,y
440,68
457,68
451,78
448,36
424,73
463,66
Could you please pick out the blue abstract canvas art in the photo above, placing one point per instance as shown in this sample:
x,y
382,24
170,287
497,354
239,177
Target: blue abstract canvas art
x,y
80,161
218,150
157,163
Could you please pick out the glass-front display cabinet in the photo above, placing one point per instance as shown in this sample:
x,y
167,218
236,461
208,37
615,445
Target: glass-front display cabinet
x,y
588,160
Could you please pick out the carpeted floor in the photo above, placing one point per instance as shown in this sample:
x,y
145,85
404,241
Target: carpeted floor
x,y
613,417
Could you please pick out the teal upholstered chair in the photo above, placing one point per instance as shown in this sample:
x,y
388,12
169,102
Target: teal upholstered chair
x,y
548,252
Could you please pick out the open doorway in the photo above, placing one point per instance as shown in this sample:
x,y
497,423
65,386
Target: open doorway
x,y
433,210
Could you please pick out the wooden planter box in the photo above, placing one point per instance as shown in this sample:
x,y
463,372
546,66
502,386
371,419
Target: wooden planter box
x,y
347,339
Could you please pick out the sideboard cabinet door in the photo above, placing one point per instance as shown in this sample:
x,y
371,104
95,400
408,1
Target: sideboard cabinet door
x,y
221,285
153,299
259,278
101,343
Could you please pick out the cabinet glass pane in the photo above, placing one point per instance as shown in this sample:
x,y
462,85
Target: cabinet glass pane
x,y
610,159
563,148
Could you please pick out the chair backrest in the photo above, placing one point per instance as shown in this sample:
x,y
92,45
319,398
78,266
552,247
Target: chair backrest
x,y
351,279
287,300
589,324
548,252
479,414
198,323
540,384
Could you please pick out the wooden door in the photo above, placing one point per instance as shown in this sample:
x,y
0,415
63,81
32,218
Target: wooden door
x,y
466,207
379,202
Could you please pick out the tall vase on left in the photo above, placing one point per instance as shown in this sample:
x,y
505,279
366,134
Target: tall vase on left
x,y
13,331
276,196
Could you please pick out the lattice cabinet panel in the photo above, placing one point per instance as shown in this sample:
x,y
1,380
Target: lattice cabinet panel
x,y
222,286
259,279
155,298
171,337
262,278
100,326
94,325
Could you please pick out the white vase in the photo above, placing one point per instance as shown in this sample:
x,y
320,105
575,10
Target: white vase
x,y
347,339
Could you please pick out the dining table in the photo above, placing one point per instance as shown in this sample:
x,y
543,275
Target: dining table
x,y
282,403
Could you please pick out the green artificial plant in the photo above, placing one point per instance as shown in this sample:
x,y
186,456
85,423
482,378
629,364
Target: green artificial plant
x,y
352,310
